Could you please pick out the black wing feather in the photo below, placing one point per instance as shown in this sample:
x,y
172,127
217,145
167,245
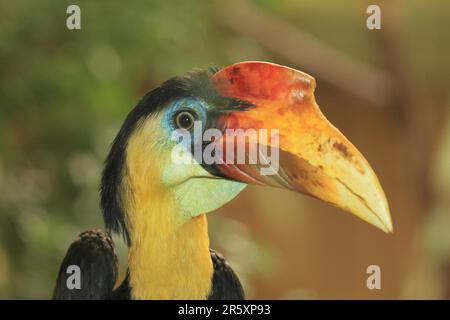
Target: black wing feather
x,y
225,283
93,252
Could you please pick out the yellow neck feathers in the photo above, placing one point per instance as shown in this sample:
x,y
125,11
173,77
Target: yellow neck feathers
x,y
169,254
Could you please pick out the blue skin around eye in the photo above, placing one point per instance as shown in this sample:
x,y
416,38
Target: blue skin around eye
x,y
190,193
187,138
188,104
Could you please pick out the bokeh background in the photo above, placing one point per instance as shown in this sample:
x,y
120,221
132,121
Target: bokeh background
x,y
64,94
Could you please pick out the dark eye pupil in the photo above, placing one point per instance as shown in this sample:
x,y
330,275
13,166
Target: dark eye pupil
x,y
184,120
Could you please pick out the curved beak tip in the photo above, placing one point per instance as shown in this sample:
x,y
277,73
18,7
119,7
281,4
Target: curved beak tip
x,y
386,222
314,157
382,221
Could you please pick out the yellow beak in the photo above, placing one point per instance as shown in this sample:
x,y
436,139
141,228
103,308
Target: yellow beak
x,y
315,158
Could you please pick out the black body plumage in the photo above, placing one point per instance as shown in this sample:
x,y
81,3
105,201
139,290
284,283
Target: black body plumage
x,y
93,252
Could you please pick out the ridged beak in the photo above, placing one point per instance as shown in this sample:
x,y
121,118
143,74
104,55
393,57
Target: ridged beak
x,y
314,157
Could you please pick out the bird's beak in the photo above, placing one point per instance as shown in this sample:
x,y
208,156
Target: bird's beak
x,y
306,153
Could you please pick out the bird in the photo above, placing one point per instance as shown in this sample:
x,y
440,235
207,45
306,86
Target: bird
x,y
158,186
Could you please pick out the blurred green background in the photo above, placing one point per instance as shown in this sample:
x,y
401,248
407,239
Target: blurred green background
x,y
64,94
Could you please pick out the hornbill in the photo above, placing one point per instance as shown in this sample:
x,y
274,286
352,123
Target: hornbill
x,y
159,204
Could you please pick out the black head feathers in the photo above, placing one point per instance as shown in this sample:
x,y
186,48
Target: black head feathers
x,y
195,84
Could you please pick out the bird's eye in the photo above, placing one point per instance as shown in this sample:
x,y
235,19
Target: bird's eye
x,y
184,120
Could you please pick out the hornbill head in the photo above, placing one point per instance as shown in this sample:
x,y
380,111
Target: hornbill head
x,y
197,141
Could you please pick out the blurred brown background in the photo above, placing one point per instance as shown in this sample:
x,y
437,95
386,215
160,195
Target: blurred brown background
x,y
64,94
